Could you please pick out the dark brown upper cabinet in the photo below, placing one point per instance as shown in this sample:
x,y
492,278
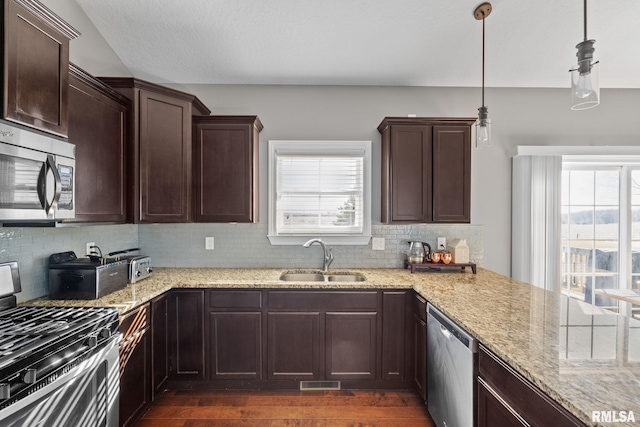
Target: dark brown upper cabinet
x,y
225,165
36,66
97,127
159,152
426,169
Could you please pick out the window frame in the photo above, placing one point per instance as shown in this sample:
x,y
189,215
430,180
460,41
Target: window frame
x,y
319,147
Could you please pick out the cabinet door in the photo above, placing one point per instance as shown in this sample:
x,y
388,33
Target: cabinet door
x,y
351,346
393,334
226,170
187,334
97,120
165,158
159,343
36,80
451,174
293,347
135,365
410,169
235,345
420,346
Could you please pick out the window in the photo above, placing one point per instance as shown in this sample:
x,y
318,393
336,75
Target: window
x,y
320,189
601,231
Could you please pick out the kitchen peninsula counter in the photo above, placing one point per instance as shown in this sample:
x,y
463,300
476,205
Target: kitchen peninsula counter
x,y
540,334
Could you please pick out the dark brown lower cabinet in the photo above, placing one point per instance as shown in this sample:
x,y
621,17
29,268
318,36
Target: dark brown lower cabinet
x,y
419,345
394,335
135,365
235,345
505,398
293,345
187,334
350,346
159,343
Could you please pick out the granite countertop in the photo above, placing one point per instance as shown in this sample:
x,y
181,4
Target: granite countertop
x,y
585,358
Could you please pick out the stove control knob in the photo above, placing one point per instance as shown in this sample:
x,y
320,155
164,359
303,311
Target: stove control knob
x,y
92,341
149,270
138,273
30,376
5,391
105,333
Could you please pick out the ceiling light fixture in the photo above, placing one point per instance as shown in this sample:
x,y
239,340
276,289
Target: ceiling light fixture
x,y
483,125
585,88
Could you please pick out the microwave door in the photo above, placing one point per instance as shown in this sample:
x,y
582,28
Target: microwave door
x,y
21,183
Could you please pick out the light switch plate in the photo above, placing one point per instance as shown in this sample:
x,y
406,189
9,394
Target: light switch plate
x,y
208,243
377,243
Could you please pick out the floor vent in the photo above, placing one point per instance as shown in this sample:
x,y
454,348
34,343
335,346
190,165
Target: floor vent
x,y
319,385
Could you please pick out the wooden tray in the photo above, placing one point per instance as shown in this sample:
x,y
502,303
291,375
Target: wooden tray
x,y
439,265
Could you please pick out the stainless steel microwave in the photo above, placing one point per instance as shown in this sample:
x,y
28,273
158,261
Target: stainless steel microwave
x,y
37,174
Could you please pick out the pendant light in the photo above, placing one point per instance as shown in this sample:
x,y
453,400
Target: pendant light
x,y
585,88
483,124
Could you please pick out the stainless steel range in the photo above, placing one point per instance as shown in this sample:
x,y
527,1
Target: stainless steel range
x,y
58,365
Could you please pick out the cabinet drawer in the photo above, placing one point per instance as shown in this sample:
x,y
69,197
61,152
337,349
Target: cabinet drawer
x,y
235,299
531,403
323,300
136,321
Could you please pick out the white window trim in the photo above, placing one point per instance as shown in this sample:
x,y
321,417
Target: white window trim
x,y
319,147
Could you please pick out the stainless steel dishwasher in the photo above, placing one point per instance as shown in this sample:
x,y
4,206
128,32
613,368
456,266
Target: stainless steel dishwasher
x,y
450,371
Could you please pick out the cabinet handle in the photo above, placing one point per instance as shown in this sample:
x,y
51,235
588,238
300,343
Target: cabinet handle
x,y
499,398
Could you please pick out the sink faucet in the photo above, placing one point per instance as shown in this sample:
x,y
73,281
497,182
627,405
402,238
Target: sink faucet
x,y
328,255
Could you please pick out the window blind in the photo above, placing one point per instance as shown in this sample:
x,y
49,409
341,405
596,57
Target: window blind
x,y
319,194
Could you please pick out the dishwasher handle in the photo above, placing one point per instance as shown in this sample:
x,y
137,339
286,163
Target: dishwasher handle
x,y
445,332
452,329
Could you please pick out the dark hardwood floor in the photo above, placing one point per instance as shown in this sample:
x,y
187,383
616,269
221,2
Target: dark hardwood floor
x,y
261,408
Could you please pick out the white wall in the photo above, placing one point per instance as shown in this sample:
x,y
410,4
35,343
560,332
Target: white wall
x,y
90,51
520,117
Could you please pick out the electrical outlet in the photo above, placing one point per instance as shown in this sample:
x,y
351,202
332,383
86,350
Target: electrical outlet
x,y
442,243
88,249
377,243
208,243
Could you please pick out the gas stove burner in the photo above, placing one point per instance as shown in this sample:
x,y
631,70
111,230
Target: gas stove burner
x,y
42,326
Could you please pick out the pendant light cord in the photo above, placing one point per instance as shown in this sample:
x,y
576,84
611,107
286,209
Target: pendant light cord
x,y
585,20
483,58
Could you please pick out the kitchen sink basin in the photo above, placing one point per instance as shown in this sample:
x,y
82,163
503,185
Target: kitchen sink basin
x,y
318,277
345,278
302,277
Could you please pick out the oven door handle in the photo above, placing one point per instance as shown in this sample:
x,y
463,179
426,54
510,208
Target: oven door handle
x,y
49,165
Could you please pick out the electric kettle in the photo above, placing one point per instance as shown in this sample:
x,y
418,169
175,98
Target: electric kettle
x,y
418,252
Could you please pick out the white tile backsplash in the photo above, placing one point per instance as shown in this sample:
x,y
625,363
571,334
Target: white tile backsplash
x,y
236,245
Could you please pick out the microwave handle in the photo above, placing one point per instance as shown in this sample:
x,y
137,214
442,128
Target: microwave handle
x,y
49,165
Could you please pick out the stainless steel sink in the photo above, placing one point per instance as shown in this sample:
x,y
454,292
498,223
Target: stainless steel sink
x,y
345,278
302,277
318,277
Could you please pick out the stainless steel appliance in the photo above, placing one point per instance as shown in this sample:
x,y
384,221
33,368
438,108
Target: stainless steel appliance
x,y
139,265
37,174
451,371
59,366
71,277
139,268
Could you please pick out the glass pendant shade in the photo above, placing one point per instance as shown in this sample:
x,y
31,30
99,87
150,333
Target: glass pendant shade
x,y
483,128
483,133
585,85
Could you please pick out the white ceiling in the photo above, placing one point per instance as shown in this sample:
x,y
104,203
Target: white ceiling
x,y
368,42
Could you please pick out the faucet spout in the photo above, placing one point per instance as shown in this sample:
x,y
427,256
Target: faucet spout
x,y
327,253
